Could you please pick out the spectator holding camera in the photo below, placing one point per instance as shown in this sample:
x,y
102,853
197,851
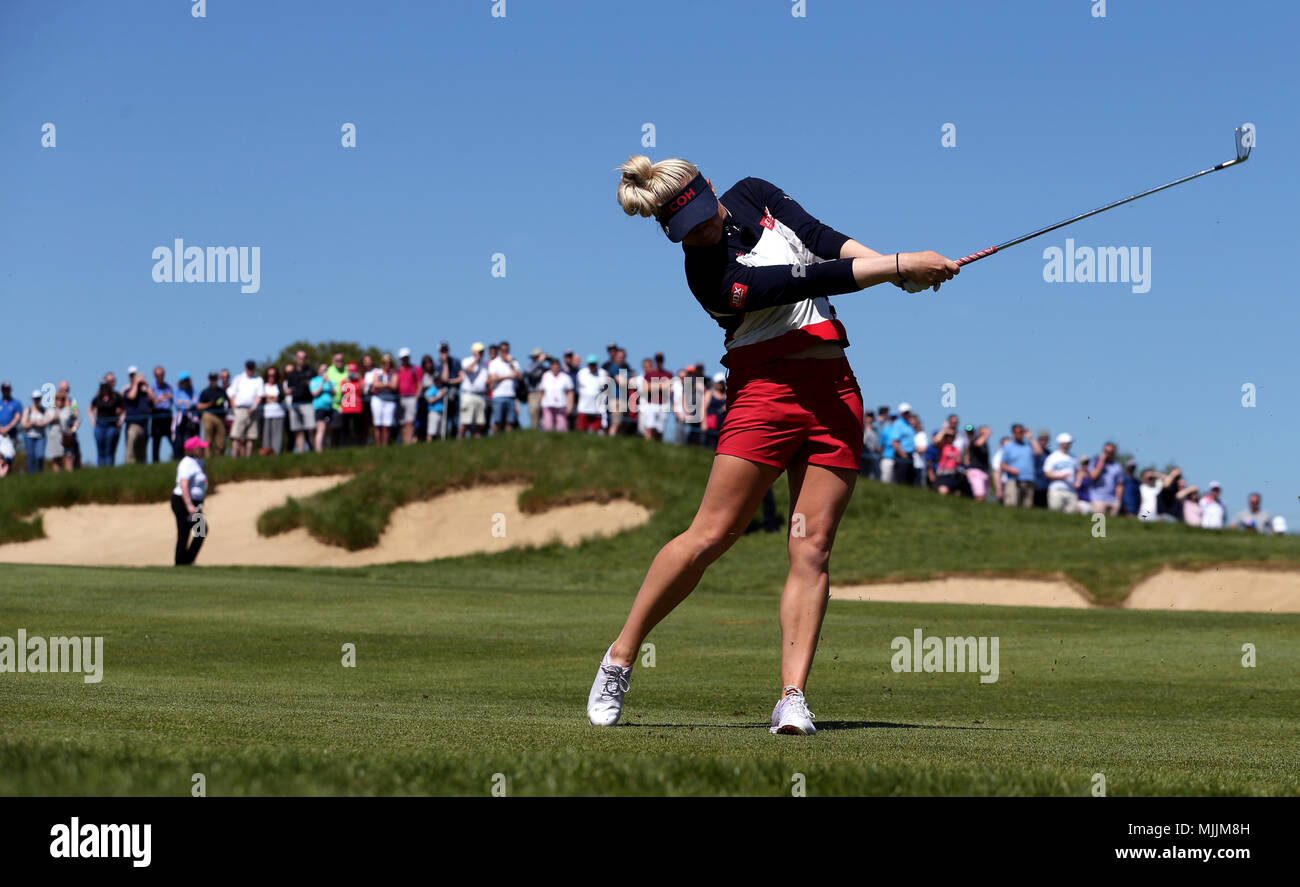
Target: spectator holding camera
x,y
1107,487
137,397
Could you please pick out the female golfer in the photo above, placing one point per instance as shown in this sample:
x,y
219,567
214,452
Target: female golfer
x,y
763,268
187,501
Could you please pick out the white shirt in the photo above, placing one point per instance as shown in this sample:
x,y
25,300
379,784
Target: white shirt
x,y
244,390
190,471
369,378
922,443
1212,514
591,390
555,388
475,376
1149,492
500,367
1058,460
272,409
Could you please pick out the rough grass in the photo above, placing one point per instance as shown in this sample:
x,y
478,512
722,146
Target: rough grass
x,y
888,532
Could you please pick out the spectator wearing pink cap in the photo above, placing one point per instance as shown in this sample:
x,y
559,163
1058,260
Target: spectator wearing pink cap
x,y
187,502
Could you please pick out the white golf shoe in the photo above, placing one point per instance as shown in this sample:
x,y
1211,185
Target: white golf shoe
x,y
791,715
605,703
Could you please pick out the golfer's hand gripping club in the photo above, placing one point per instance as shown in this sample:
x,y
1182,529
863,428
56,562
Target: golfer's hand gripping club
x,y
925,270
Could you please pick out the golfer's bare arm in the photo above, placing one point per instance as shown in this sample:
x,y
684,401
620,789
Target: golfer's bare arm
x,y
854,250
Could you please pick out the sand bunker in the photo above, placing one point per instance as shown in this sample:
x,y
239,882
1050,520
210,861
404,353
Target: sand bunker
x,y
1223,589
456,523
969,590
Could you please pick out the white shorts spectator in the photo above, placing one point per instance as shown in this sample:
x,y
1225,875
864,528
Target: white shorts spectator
x,y
435,424
473,409
651,420
245,427
408,409
383,412
302,417
1062,500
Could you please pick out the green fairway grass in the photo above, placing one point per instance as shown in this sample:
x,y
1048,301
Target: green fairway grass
x,y
477,666
237,674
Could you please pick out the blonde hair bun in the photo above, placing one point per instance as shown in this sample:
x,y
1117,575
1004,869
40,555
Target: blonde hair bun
x,y
645,186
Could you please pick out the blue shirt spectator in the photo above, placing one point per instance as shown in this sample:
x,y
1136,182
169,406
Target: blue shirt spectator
x,y
1041,481
1132,494
1020,456
902,438
1108,478
886,440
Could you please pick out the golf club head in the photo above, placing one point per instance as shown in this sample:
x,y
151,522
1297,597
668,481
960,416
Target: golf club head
x,y
1245,141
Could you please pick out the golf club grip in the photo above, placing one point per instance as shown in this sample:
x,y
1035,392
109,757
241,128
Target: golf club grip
x,y
975,257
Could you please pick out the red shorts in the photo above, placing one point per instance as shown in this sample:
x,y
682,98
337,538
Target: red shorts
x,y
799,410
588,421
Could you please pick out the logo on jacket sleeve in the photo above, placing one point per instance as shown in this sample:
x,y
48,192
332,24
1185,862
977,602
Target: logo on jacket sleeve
x,y
768,222
738,291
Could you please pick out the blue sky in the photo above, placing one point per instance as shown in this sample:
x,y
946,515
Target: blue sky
x,y
479,135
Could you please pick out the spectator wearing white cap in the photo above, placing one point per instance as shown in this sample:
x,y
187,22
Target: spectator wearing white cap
x,y
36,420
902,442
408,393
137,398
1061,469
1213,514
473,392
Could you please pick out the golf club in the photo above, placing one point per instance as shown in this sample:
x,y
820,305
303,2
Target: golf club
x,y
1245,141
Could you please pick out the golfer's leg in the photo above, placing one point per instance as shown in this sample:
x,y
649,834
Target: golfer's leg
x,y
733,493
196,543
182,531
819,496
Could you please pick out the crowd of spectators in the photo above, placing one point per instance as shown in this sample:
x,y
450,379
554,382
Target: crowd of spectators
x,y
355,401
1026,471
350,401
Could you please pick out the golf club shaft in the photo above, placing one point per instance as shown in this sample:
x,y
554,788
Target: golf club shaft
x,y
976,256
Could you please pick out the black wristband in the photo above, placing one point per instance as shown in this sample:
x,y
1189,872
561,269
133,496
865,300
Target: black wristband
x,y
896,271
